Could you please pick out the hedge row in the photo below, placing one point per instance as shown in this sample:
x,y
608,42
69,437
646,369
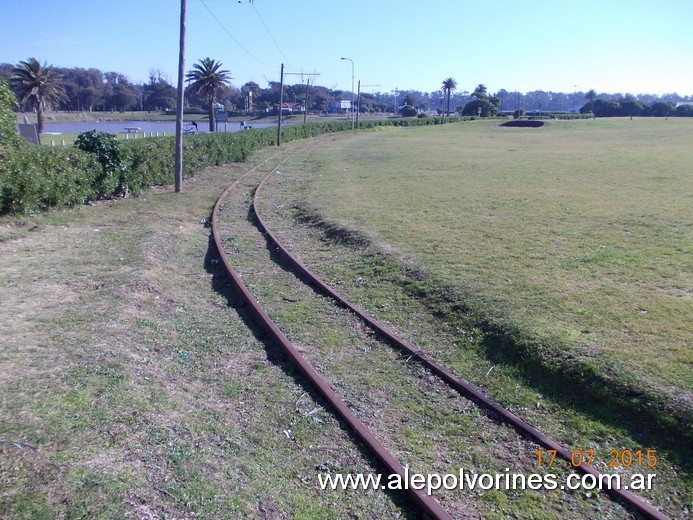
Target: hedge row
x,y
558,115
34,178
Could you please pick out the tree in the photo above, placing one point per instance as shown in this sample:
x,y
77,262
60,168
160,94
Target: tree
x,y
208,81
480,91
320,98
602,108
590,96
631,107
684,110
159,94
39,86
488,108
448,86
83,87
408,111
8,102
251,93
501,94
662,109
119,93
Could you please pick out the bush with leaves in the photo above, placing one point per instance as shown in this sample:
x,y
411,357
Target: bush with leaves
x,y
517,114
8,102
106,149
488,109
408,111
34,178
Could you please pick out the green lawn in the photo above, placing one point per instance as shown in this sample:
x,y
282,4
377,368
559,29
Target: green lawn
x,y
130,388
577,233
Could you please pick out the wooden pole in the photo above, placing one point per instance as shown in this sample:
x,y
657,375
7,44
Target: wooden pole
x,y
281,102
305,103
358,104
179,102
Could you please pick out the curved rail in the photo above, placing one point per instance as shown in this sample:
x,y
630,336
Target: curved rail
x,y
425,502
463,387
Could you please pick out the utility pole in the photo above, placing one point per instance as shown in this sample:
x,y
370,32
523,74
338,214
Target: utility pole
x,y
352,91
305,102
358,104
281,102
281,99
179,102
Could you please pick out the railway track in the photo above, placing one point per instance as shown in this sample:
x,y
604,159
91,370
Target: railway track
x,y
249,254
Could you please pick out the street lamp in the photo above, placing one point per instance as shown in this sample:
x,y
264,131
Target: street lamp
x,y
352,91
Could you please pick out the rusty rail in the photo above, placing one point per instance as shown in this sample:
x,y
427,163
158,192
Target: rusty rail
x,y
426,503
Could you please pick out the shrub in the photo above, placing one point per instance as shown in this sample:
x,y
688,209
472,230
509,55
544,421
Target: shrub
x,y
488,109
684,110
408,111
106,149
35,178
662,109
8,102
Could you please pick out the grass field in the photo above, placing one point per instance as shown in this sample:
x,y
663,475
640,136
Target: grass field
x,y
577,234
133,385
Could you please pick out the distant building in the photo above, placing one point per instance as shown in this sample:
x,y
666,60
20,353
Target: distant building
x,y
339,107
292,108
288,108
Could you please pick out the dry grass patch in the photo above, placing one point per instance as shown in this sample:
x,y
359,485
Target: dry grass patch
x,y
130,384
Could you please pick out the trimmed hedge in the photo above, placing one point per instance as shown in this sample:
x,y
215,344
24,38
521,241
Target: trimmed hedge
x,y
35,178
557,115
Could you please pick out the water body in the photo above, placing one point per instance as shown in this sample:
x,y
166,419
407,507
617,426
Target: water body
x,y
118,127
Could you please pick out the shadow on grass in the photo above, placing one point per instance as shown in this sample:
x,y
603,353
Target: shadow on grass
x,y
582,385
579,384
222,285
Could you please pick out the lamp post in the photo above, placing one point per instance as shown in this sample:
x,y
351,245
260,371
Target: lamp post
x,y
352,91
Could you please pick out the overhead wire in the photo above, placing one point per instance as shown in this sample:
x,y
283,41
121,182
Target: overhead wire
x,y
234,39
270,34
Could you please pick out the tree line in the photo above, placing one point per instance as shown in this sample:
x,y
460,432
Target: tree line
x,y
629,105
94,90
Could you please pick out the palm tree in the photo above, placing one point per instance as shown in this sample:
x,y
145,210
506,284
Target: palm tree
x,y
480,91
590,96
39,86
448,86
208,81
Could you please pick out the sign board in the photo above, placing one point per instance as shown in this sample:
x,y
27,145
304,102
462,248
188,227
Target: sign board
x,y
29,133
221,116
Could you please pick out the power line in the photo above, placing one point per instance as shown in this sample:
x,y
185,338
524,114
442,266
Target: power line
x,y
234,39
270,34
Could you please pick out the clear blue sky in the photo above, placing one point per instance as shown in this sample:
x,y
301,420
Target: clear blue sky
x,y
632,46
